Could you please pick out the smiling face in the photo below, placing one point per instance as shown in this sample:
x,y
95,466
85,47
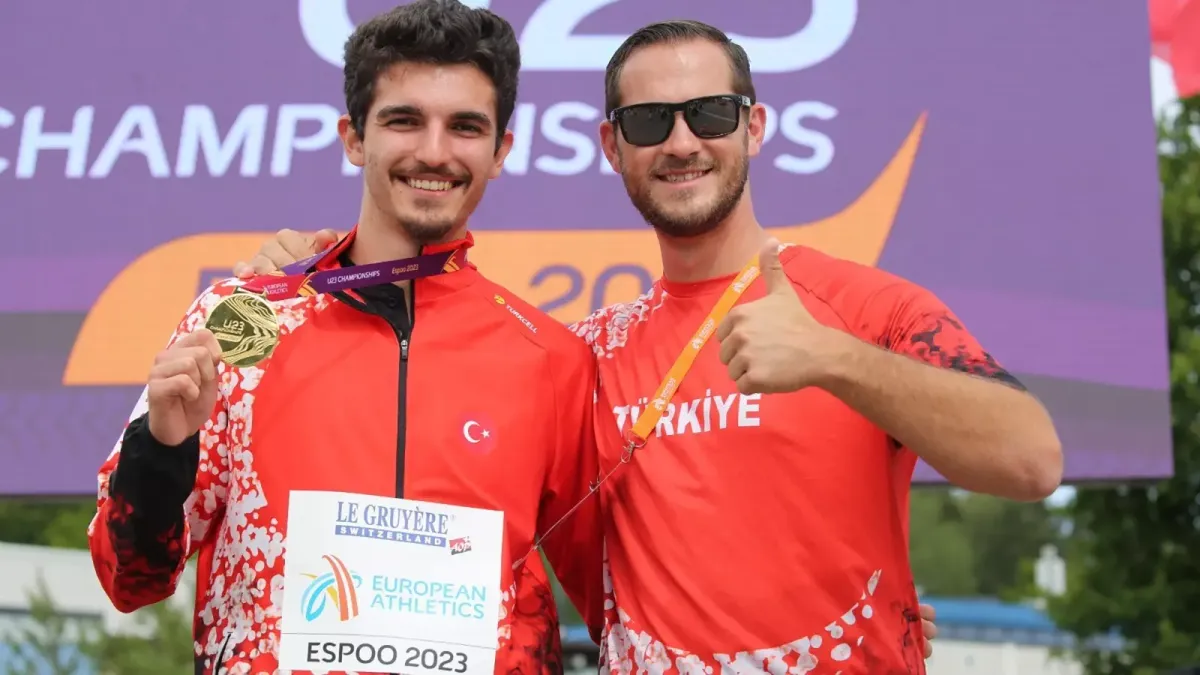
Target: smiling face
x,y
428,147
686,185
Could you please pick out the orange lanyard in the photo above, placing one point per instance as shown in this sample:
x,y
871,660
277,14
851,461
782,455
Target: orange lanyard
x,y
666,391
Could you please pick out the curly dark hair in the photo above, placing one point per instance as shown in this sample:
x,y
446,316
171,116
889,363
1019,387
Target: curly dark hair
x,y
434,32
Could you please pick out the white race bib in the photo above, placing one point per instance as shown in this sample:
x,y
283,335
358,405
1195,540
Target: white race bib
x,y
381,585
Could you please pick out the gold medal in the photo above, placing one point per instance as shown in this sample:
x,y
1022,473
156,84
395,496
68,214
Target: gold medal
x,y
246,327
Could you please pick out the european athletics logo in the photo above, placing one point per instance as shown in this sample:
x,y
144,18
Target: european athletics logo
x,y
338,586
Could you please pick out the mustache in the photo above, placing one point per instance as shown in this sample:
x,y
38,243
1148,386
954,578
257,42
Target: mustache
x,y
442,172
672,164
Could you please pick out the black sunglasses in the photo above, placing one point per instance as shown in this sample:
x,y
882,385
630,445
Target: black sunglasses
x,y
646,124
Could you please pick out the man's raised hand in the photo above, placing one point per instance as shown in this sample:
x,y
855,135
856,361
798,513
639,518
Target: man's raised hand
x,y
774,344
182,388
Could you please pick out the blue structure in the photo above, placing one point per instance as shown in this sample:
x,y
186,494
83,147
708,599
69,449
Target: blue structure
x,y
990,620
67,655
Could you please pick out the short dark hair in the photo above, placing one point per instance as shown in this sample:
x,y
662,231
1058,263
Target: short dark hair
x,y
680,30
434,32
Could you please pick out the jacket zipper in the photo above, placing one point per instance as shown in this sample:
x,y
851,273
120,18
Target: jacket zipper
x,y
399,325
401,413
394,310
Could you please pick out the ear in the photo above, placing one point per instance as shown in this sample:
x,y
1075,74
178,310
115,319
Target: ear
x,y
608,143
351,142
756,126
506,143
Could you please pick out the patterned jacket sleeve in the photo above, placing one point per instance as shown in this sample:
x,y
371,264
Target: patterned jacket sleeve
x,y
155,503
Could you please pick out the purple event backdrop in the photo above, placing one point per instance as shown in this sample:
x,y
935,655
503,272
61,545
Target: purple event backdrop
x,y
1032,206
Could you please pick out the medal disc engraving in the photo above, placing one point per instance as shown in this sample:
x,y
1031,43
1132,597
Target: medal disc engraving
x,y
246,327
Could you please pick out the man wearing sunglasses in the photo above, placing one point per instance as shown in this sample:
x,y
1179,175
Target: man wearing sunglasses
x,y
759,522
764,525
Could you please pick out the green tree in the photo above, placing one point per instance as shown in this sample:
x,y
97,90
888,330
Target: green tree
x,y
940,552
46,522
55,643
964,544
1006,537
1134,560
160,645
47,646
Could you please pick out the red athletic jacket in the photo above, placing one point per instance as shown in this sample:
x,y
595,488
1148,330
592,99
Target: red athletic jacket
x,y
481,400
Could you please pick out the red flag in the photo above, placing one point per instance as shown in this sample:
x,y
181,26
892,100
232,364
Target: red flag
x,y
1175,38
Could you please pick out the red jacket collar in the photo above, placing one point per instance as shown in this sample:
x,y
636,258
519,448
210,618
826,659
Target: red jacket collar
x,y
459,246
460,271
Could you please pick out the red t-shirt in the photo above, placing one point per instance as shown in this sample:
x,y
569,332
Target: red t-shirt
x,y
762,533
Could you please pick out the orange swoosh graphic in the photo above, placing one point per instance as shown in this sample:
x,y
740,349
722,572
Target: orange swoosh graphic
x,y
139,308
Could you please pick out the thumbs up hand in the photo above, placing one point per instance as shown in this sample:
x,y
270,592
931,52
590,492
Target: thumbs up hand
x,y
774,344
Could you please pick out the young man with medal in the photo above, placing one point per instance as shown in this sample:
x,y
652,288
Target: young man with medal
x,y
388,367
759,519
